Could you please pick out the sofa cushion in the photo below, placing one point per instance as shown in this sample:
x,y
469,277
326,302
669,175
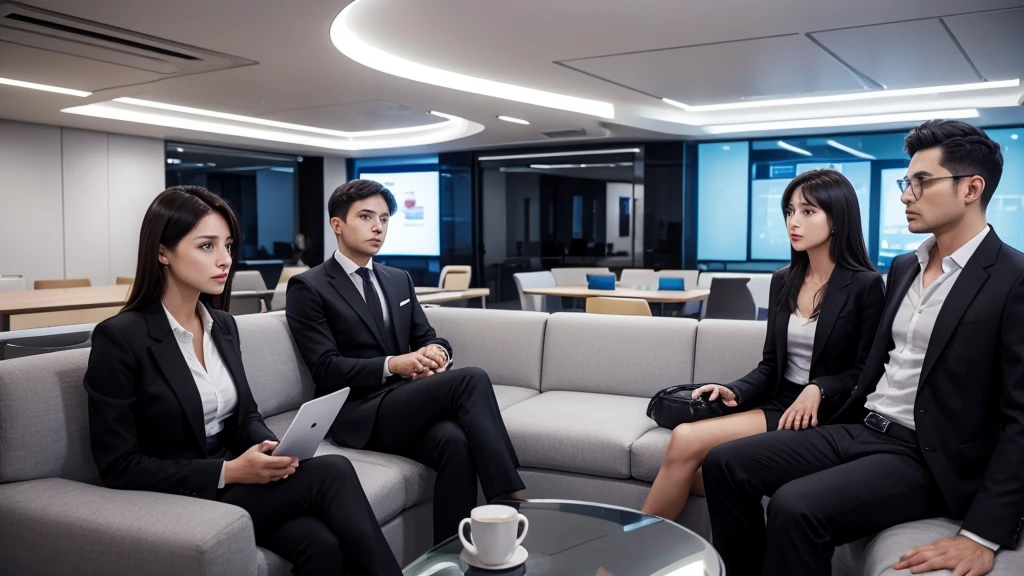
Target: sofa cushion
x,y
727,349
414,480
647,454
623,355
276,373
507,344
511,395
577,432
875,556
44,418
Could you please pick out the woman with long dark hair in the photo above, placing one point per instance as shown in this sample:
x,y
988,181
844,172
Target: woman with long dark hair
x,y
170,409
824,310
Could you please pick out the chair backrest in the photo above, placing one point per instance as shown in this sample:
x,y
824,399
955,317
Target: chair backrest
x,y
246,302
531,302
126,280
64,283
575,276
12,283
455,277
34,345
288,271
246,280
637,277
618,306
730,300
511,355
759,285
625,355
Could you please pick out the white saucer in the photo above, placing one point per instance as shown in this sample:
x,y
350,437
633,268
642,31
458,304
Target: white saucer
x,y
518,557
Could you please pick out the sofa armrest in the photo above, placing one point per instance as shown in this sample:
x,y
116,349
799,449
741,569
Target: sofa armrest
x,y
58,526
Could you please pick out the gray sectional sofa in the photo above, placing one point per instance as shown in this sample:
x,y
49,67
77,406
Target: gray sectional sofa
x,y
573,389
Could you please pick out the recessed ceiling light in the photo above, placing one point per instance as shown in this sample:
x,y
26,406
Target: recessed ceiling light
x,y
44,87
345,39
174,160
842,121
1014,136
211,164
554,154
849,150
869,95
791,148
513,120
185,118
180,149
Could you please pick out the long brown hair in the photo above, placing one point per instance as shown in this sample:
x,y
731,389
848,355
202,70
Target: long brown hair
x,y
172,215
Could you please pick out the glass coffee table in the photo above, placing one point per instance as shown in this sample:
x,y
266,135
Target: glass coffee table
x,y
569,538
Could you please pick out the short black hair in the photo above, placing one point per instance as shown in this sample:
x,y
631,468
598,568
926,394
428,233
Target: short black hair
x,y
966,149
355,190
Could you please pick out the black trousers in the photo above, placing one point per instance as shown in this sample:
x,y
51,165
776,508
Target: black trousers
x,y
318,519
828,485
451,423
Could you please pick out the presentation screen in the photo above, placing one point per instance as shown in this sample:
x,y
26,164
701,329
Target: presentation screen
x,y
415,229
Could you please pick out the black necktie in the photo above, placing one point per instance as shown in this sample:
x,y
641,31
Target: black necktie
x,y
372,300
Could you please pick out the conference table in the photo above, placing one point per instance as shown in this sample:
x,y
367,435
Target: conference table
x,y
446,296
661,296
59,300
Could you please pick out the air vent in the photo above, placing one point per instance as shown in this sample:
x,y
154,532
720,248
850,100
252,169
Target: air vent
x,y
92,55
574,133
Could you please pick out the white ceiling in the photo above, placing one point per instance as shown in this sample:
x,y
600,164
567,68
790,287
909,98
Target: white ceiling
x,y
628,53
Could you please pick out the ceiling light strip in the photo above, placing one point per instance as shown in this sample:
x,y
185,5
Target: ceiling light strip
x,y
842,121
344,37
869,95
849,150
791,148
560,154
45,87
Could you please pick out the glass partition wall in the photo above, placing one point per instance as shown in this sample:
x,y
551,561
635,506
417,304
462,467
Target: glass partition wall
x,y
568,209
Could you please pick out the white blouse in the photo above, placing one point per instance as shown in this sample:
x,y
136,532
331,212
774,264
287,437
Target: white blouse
x,y
799,348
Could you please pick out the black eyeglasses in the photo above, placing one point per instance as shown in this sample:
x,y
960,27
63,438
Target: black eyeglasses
x,y
916,184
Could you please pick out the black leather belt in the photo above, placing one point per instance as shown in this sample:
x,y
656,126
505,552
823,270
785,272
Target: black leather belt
x,y
880,423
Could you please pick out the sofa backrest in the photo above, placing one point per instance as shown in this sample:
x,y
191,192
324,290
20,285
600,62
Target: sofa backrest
x,y
507,344
44,420
625,355
727,349
276,373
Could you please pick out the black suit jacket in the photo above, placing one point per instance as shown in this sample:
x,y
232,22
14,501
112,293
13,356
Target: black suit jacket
x,y
342,346
146,418
845,330
969,411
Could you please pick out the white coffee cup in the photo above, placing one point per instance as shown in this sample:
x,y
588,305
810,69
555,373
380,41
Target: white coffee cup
x,y
494,533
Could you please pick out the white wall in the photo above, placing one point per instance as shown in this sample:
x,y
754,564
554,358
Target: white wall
x,y
615,191
72,201
335,174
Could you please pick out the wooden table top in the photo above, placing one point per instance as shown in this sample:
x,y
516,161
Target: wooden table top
x,y
35,301
665,296
454,295
428,290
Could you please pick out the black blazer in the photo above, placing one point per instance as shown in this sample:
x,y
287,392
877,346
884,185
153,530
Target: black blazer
x,y
969,411
843,336
341,345
146,419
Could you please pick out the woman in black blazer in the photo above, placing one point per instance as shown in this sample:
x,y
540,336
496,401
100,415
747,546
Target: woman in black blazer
x,y
824,311
170,409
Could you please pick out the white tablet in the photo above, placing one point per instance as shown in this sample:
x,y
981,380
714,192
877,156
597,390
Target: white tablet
x,y
311,425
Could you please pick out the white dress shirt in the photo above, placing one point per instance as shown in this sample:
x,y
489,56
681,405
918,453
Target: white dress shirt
x,y
352,269
896,393
799,348
214,382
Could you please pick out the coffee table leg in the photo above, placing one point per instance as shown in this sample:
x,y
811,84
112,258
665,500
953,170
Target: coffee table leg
x,y
483,303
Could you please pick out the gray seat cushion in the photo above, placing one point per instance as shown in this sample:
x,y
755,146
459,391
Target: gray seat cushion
x,y
507,344
648,453
577,432
510,395
875,556
392,483
623,355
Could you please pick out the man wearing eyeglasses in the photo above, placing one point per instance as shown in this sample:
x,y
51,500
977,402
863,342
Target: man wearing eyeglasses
x,y
935,427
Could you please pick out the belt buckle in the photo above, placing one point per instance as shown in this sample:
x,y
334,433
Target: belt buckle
x,y
877,422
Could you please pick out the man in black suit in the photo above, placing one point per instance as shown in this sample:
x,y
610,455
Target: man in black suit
x,y
358,323
935,426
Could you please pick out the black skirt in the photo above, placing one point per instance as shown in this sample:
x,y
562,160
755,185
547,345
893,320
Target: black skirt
x,y
777,405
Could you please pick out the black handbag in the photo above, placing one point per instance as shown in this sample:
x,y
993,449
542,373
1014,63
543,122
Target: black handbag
x,y
676,405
